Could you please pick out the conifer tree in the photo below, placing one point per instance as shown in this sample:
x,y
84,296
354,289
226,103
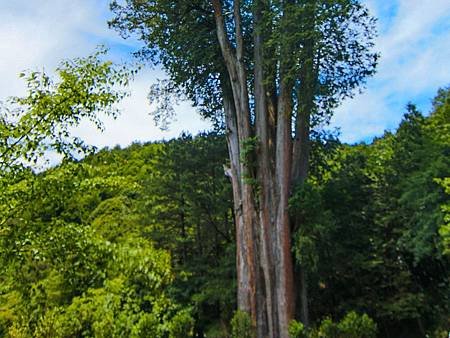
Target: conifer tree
x,y
269,71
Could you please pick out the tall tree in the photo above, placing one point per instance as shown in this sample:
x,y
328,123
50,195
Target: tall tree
x,y
262,67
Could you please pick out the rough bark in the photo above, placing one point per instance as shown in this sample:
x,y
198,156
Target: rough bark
x,y
283,165
237,111
283,260
265,272
264,175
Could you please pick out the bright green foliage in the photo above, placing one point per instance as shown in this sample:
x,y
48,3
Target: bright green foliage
x,y
327,329
241,325
444,230
352,325
297,330
41,120
80,256
181,325
357,326
74,261
66,279
439,126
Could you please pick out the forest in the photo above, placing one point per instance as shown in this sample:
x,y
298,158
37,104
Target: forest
x,y
266,226
139,242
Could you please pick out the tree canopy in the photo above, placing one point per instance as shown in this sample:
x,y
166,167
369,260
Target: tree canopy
x,y
270,72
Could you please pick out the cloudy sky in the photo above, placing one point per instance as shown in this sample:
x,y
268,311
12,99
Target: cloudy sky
x,y
414,40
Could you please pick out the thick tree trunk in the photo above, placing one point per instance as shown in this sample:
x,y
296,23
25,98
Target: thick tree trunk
x,y
243,274
284,280
260,189
264,265
266,196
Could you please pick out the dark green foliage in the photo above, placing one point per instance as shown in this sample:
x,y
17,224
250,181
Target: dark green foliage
x,y
182,38
371,227
333,37
188,212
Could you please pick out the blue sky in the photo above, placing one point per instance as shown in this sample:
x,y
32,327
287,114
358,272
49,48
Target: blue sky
x,y
414,41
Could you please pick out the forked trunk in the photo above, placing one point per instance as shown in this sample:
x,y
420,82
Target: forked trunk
x,y
260,189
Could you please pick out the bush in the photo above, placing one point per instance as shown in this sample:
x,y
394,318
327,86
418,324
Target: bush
x,y
357,326
241,325
297,330
352,325
181,325
328,329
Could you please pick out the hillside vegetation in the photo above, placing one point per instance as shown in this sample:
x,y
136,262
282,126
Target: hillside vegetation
x,y
140,242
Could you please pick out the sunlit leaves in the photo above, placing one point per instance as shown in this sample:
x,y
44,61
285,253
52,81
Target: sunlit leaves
x,y
42,119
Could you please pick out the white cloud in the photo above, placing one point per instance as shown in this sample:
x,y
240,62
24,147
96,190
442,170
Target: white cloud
x,y
40,33
413,22
414,42
415,62
362,117
135,123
